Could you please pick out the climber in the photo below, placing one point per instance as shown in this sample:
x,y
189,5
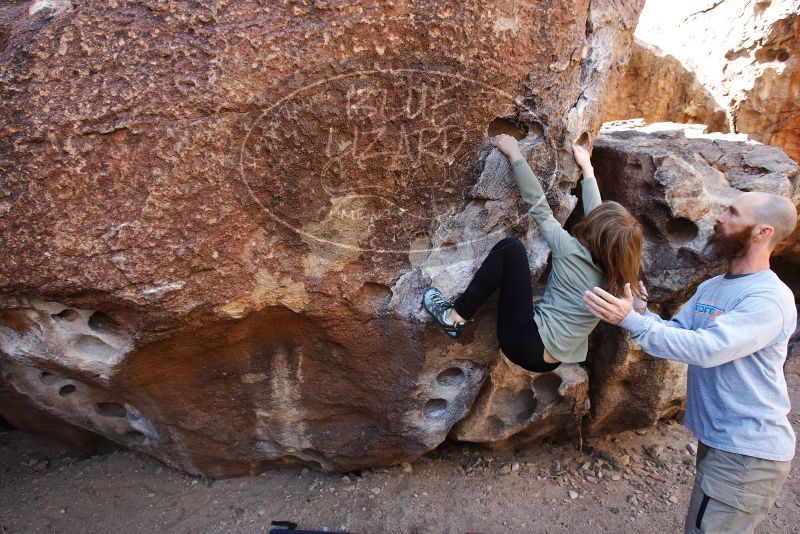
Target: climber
x,y
734,334
606,251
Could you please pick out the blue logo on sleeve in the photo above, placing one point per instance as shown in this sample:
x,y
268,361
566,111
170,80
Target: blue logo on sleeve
x,y
708,310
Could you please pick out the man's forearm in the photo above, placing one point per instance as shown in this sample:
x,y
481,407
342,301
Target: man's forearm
x,y
727,338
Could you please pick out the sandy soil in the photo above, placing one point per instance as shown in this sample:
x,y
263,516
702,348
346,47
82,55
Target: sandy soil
x,y
626,483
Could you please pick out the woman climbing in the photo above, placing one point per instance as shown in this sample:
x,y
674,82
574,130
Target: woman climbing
x,y
605,252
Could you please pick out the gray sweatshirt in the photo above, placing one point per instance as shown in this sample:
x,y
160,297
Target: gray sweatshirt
x,y
733,333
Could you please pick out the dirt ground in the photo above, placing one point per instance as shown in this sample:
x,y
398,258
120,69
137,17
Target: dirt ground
x,y
626,483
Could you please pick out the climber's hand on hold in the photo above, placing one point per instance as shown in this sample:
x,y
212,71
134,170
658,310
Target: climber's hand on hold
x,y
583,159
508,146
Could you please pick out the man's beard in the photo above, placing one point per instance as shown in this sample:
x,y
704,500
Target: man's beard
x,y
727,247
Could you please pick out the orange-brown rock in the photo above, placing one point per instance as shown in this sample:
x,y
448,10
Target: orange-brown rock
x,y
217,218
745,54
658,88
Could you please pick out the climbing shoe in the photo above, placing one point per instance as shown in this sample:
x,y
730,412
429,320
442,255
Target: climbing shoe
x,y
438,306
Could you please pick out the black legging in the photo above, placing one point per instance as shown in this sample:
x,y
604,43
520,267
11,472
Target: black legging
x,y
506,267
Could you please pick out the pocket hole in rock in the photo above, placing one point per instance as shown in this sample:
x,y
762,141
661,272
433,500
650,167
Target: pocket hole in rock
x,y
111,409
525,402
681,231
535,129
451,377
506,125
67,314
49,378
782,55
583,141
5,426
435,408
67,390
768,55
104,324
448,245
545,387
135,436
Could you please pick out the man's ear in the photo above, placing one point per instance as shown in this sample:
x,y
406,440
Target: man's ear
x,y
764,232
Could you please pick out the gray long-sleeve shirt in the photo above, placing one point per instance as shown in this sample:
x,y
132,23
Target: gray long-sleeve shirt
x,y
733,333
564,324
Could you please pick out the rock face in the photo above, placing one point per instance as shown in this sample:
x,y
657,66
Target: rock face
x,y
676,179
630,389
746,54
217,219
516,405
658,88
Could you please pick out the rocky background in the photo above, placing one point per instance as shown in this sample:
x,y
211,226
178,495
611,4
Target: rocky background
x,y
219,220
731,65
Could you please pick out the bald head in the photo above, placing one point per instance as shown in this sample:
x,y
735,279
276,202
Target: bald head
x,y
775,211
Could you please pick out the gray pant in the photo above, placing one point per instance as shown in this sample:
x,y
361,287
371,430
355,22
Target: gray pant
x,y
732,493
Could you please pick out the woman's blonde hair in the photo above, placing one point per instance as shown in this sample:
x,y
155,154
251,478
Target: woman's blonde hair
x,y
615,239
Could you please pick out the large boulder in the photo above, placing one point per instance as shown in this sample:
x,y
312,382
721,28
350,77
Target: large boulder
x,y
675,178
217,219
744,55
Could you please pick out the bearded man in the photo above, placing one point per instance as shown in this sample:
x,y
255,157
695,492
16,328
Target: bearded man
x,y
733,333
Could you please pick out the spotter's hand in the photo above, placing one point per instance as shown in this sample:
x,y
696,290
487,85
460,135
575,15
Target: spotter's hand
x,y
606,306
